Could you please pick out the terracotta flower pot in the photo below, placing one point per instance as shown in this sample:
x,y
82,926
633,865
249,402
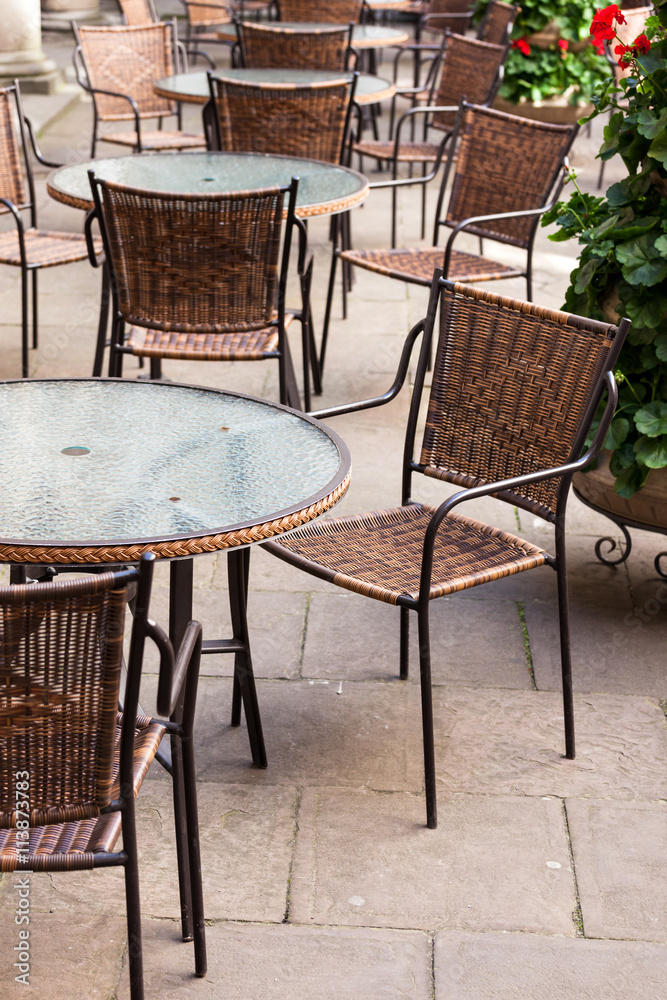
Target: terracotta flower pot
x,y
556,110
648,506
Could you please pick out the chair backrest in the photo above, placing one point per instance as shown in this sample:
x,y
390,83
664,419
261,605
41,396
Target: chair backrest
x,y
12,183
322,11
137,11
267,47
307,121
127,60
203,15
190,262
60,660
497,22
435,18
514,389
503,163
471,71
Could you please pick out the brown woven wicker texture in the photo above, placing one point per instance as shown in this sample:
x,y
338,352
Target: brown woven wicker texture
x,y
60,670
498,17
136,12
293,121
459,22
323,11
505,164
43,246
408,152
265,47
205,14
469,72
11,173
127,60
195,263
417,265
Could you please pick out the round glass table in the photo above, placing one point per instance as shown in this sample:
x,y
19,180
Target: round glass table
x,y
364,36
96,472
324,188
192,88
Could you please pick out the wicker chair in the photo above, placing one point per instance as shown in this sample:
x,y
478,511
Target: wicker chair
x,y
505,169
264,46
137,12
117,66
196,277
28,247
514,390
72,765
498,21
470,69
321,11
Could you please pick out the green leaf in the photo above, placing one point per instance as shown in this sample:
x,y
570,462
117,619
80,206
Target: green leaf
x,y
661,244
652,419
630,480
641,263
649,124
617,433
647,311
660,346
652,452
647,358
658,148
585,275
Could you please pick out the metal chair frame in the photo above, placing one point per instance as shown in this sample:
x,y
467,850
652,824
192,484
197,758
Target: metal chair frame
x,y
449,414
177,690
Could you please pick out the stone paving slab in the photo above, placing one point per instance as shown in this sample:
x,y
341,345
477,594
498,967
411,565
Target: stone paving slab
x,y
620,852
366,858
531,967
497,742
260,961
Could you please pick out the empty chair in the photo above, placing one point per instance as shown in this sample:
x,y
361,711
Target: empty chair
x,y
470,69
136,12
27,247
263,46
202,21
515,388
77,763
117,66
332,11
497,22
505,171
200,277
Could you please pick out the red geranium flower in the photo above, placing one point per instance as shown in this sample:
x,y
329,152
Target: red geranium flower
x,y
522,45
598,48
602,26
641,44
627,53
563,44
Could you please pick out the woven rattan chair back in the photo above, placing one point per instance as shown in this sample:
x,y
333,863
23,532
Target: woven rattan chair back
x,y
204,15
504,164
194,263
137,12
289,120
471,71
127,60
12,185
266,47
513,385
496,25
435,19
322,11
60,661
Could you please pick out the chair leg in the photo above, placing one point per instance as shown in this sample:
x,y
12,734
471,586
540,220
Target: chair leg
x,y
103,322
327,311
427,716
564,628
24,323
34,309
194,857
237,569
404,654
133,904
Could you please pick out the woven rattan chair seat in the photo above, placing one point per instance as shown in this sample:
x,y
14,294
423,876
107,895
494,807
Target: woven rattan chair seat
x,y
250,345
44,247
408,152
417,265
158,139
72,846
380,554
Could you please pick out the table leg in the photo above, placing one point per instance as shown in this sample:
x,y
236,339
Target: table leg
x,y
238,561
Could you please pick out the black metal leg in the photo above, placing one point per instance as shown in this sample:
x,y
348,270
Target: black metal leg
x,y
244,679
194,856
105,296
564,626
133,904
427,716
404,655
34,309
24,323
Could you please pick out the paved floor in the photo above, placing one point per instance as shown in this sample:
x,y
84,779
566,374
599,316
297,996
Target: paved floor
x,y
545,878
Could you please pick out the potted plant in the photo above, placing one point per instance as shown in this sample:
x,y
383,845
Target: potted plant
x,y
553,63
622,267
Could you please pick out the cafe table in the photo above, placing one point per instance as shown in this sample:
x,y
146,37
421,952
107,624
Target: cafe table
x,y
193,88
96,472
364,36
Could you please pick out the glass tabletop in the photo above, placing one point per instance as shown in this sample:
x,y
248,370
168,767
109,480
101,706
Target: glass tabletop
x,y
364,36
104,462
193,87
324,188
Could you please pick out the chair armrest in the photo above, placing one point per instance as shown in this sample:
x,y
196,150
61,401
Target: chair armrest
x,y
476,219
403,181
88,233
35,146
177,674
19,226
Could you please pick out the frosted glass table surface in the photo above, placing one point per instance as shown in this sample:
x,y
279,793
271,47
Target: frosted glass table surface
x,y
364,36
103,462
192,88
324,188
